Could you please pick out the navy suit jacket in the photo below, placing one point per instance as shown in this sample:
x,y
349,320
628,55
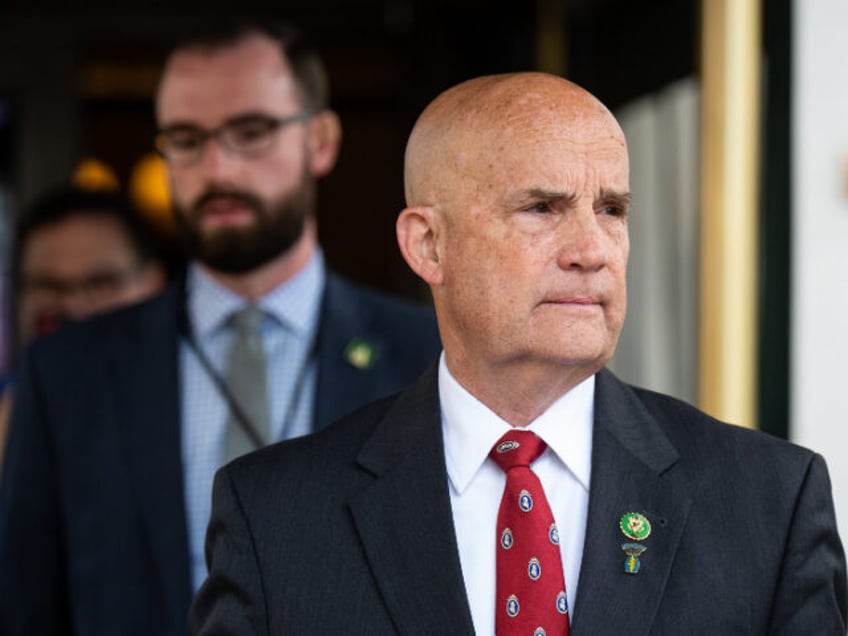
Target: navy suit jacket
x,y
349,531
95,539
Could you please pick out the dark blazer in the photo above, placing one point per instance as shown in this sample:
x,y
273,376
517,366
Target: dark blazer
x,y
95,540
349,531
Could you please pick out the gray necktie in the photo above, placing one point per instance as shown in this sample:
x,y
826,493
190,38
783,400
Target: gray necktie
x,y
247,381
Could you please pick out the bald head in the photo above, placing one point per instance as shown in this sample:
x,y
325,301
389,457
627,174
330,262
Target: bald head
x,y
517,189
467,128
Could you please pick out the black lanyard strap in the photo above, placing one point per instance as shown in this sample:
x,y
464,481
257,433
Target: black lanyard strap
x,y
226,393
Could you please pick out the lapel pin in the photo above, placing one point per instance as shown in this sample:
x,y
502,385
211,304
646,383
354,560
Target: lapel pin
x,y
360,354
635,526
632,550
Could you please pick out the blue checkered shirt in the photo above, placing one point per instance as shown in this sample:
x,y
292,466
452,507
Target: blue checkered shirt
x,y
288,336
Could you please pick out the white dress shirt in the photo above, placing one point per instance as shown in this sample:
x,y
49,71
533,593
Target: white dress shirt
x,y
476,483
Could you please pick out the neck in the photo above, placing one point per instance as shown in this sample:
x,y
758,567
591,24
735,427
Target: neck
x,y
258,282
517,391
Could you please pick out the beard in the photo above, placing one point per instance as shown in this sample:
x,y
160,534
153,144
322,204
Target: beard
x,y
278,225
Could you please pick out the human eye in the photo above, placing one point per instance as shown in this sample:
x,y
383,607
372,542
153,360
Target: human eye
x,y
183,139
246,133
614,206
43,285
613,210
102,284
540,207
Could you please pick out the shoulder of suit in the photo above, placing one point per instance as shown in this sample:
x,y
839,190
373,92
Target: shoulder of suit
x,y
155,316
688,426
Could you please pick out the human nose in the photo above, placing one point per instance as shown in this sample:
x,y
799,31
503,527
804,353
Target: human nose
x,y
74,303
584,243
215,161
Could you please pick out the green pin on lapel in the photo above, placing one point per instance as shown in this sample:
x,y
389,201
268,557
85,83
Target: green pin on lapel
x,y
635,526
360,354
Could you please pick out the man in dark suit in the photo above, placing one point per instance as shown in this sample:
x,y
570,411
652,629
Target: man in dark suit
x,y
120,422
666,520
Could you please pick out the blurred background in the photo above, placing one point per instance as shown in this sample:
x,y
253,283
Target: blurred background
x,y
734,111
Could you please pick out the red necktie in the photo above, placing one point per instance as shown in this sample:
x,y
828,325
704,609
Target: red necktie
x,y
531,598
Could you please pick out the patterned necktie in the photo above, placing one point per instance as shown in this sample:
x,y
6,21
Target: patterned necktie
x,y
247,381
531,598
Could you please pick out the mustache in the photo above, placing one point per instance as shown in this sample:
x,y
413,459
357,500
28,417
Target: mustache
x,y
246,198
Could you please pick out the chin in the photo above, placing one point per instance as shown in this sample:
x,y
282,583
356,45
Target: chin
x,y
580,343
587,361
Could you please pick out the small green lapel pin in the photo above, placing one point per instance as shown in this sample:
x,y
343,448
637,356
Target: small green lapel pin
x,y
634,526
360,354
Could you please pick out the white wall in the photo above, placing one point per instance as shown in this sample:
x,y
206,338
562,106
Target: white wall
x,y
819,366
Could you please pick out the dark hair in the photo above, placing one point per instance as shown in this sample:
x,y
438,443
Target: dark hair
x,y
70,201
308,68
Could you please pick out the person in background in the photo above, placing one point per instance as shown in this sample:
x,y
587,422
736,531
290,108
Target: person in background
x,y
120,423
520,487
77,253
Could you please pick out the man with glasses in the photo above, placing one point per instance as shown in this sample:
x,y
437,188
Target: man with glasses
x,y
78,253
122,422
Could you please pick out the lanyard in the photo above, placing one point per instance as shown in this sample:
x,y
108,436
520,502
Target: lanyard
x,y
236,410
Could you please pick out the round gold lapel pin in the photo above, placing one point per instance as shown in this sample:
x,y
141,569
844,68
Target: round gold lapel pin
x,y
635,526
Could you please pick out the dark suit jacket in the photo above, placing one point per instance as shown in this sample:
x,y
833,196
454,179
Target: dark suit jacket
x,y
350,531
95,539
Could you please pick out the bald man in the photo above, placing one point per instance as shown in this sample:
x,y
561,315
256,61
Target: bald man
x,y
665,521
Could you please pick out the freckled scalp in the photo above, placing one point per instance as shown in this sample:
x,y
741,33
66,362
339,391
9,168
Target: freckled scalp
x,y
468,126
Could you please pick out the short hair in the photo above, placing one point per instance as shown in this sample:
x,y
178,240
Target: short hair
x,y
307,67
68,202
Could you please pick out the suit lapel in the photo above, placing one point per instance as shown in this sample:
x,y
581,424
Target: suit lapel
x,y
144,371
341,384
632,471
404,518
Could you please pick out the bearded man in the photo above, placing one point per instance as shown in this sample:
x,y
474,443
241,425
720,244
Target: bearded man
x,y
121,422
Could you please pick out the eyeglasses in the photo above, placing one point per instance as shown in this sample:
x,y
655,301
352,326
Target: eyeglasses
x,y
248,136
97,286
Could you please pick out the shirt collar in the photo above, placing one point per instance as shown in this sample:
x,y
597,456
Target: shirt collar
x,y
471,429
294,304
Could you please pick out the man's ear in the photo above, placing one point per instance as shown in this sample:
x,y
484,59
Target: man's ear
x,y
418,237
324,139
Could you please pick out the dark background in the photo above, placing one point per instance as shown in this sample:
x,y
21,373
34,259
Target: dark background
x,y
80,83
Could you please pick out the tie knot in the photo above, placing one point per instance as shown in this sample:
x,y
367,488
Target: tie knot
x,y
247,320
517,448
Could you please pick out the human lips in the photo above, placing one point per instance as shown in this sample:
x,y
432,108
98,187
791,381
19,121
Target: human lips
x,y
576,300
226,211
